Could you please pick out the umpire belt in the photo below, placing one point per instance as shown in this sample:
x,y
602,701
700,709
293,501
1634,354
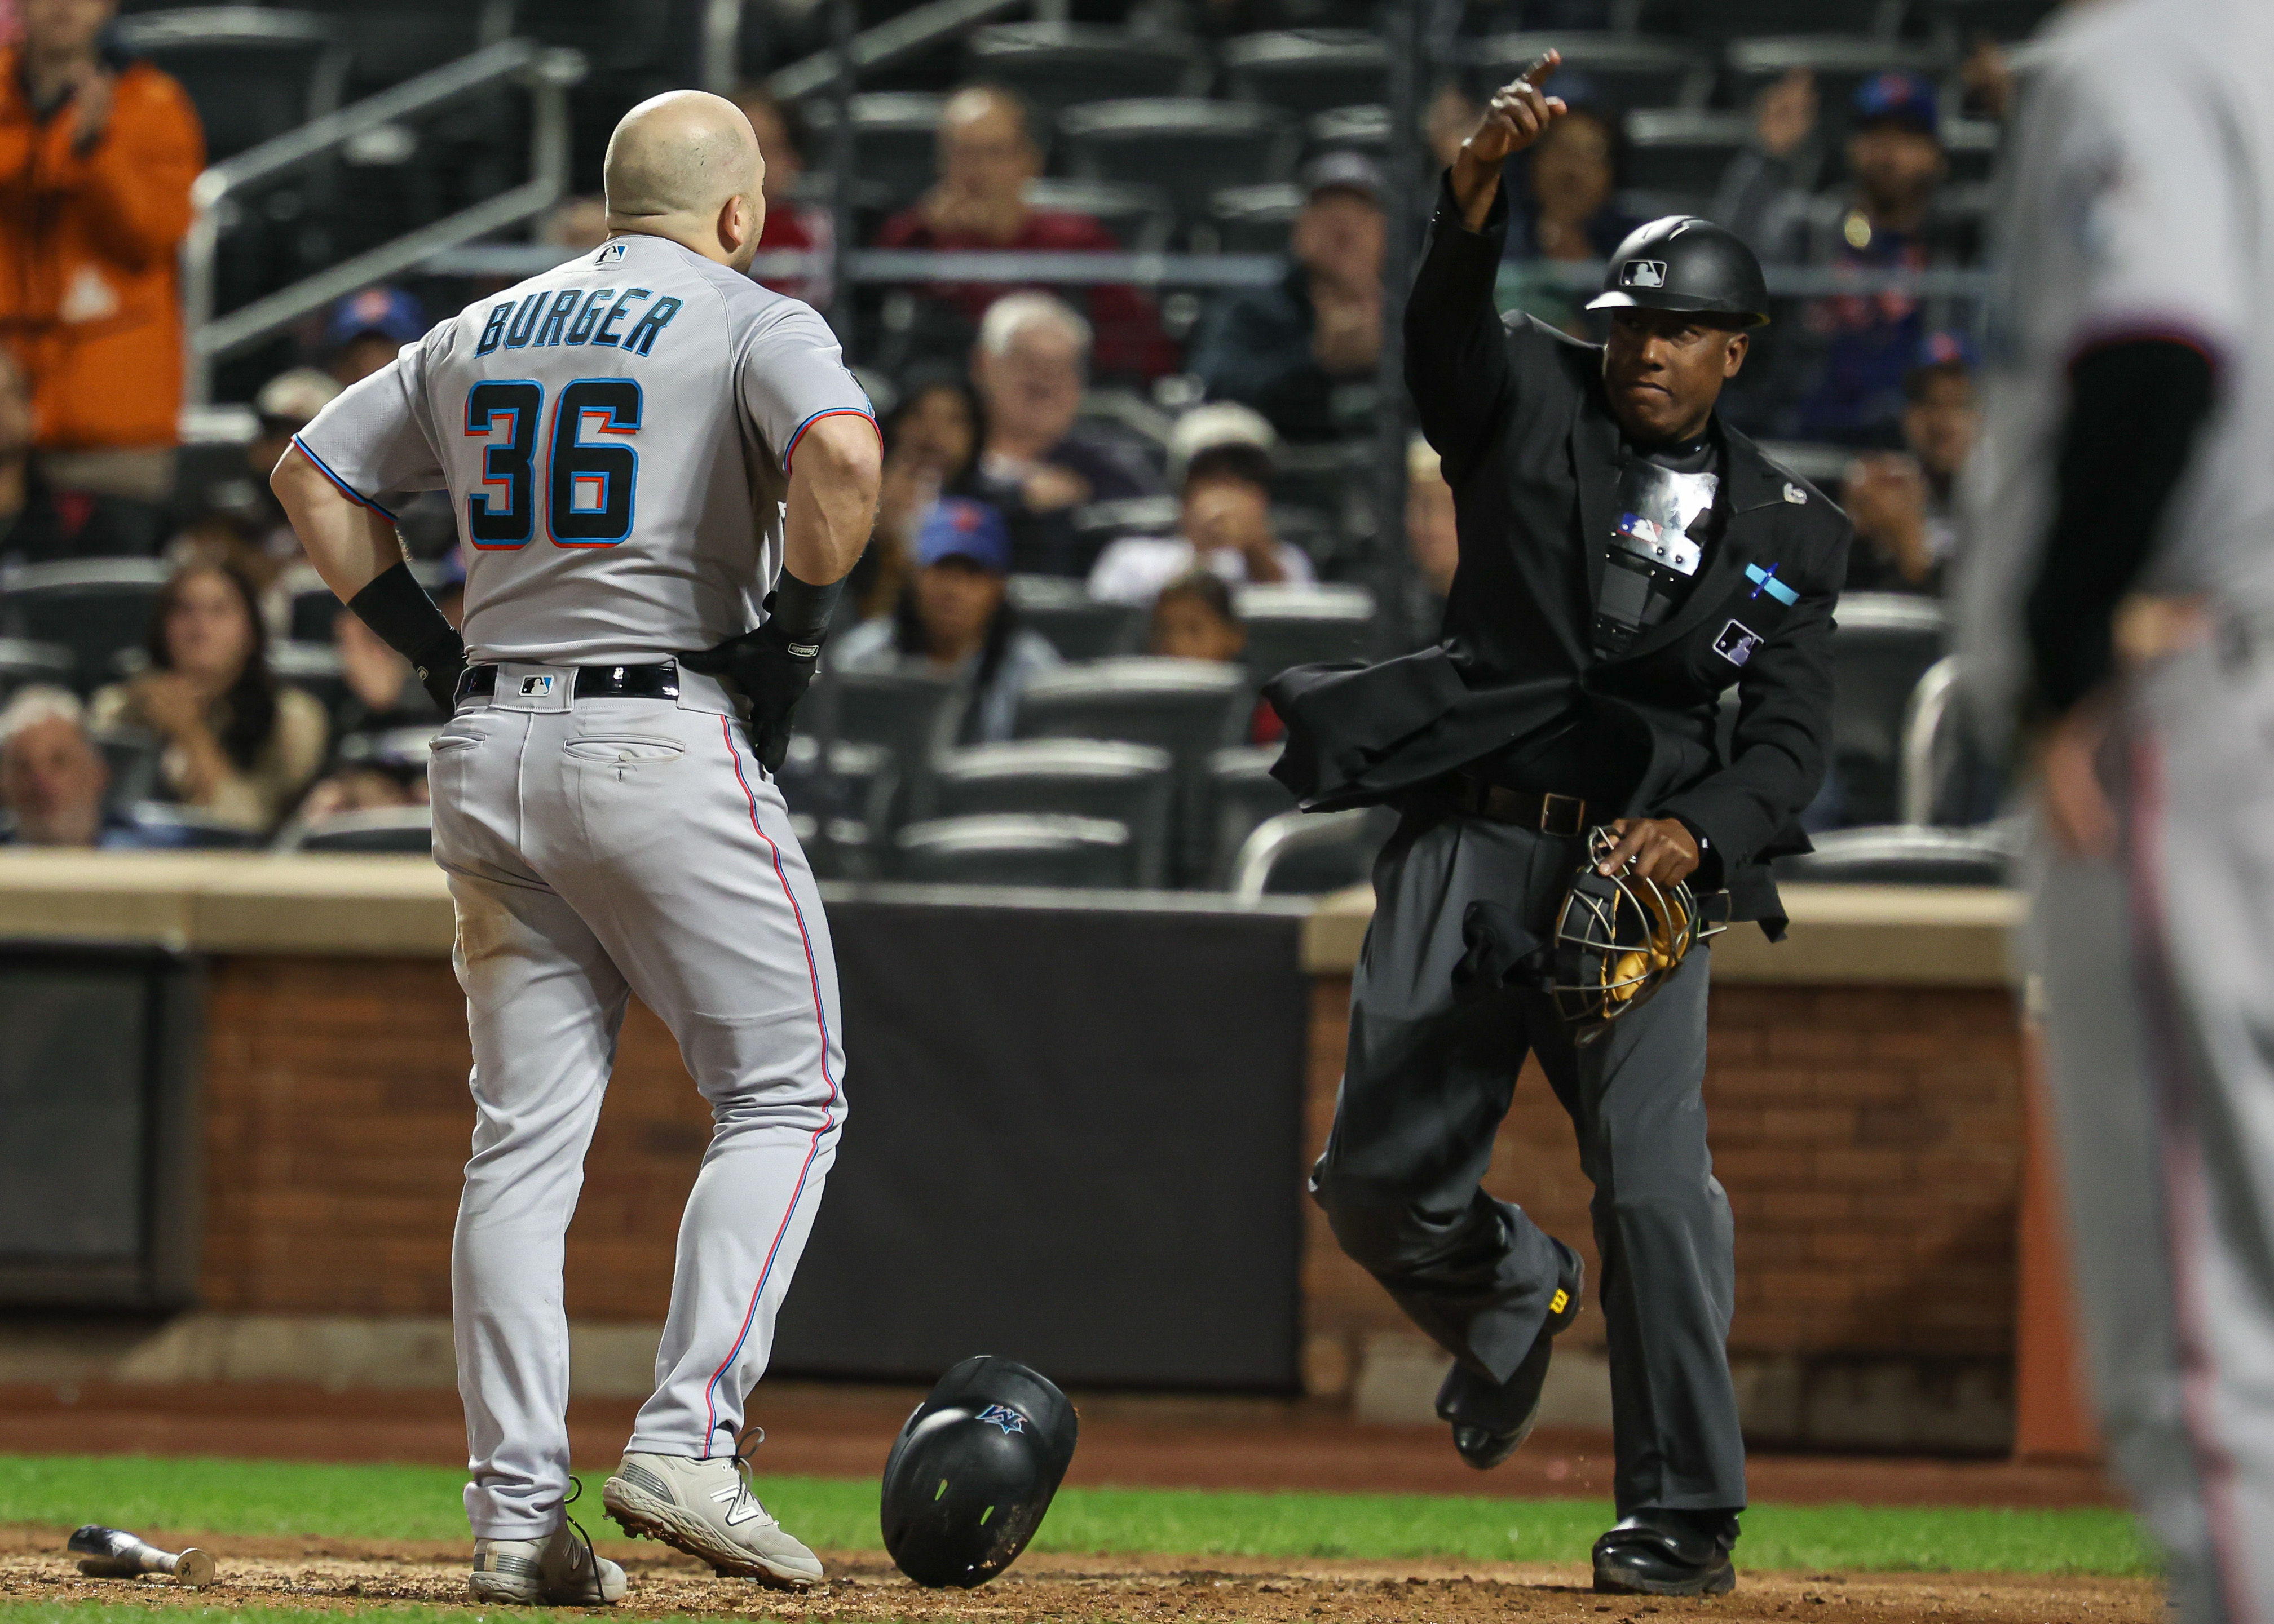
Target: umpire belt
x,y
660,682
1547,812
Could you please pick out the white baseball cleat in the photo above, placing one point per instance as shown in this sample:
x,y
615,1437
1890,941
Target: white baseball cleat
x,y
706,1510
561,1569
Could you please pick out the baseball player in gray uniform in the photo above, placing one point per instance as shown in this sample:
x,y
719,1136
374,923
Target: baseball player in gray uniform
x,y
2119,603
662,472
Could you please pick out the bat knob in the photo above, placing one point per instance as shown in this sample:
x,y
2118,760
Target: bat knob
x,y
194,1568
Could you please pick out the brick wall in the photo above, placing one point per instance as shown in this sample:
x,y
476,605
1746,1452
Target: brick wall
x,y
1870,1142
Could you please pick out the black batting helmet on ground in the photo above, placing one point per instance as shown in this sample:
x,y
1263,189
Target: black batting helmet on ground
x,y
973,1471
1683,263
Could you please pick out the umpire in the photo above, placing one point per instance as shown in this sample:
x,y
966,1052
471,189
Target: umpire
x,y
1625,557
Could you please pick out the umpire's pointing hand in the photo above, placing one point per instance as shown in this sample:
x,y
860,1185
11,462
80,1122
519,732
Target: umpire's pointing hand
x,y
1518,115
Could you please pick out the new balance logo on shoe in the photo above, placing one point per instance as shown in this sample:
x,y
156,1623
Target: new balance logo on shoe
x,y
740,1504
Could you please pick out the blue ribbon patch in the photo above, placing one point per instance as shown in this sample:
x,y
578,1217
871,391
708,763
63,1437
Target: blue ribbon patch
x,y
1766,581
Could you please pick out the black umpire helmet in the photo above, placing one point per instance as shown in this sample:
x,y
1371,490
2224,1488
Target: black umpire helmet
x,y
1683,263
973,1471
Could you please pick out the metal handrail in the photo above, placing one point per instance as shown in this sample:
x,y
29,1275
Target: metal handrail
x,y
547,72
889,41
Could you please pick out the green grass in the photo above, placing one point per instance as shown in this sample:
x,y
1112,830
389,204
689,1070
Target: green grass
x,y
420,1502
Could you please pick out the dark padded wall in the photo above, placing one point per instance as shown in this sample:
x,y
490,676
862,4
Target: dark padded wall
x,y
1075,1139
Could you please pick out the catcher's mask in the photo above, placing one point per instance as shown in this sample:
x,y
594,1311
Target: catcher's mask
x,y
1617,939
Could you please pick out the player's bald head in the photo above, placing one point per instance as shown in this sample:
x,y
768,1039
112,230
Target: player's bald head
x,y
680,154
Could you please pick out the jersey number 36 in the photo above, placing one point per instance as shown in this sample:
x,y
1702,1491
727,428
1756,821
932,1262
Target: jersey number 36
x,y
590,471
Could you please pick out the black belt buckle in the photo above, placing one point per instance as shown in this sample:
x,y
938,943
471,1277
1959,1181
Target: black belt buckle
x,y
1562,814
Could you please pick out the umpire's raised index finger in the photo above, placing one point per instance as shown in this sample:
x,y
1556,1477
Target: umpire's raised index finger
x,y
1543,65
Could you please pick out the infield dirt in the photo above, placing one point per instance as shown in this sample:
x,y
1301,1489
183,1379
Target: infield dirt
x,y
349,1575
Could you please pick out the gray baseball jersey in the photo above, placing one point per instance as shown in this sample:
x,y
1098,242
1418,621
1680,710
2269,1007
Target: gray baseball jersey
x,y
616,437
2135,192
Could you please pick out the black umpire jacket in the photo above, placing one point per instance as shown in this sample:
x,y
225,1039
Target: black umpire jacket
x,y
1519,414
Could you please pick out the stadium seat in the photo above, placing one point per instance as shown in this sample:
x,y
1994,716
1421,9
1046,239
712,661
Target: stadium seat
x,y
1303,625
911,713
1307,852
133,757
1362,127
1138,216
1321,479
1946,777
1899,854
1191,148
1186,707
23,664
313,668
1841,62
253,72
843,818
401,749
405,830
894,138
97,608
163,823
1309,69
1240,795
1884,643
1677,154
1054,66
1627,70
1007,849
1096,525
1078,626
1256,219
1132,785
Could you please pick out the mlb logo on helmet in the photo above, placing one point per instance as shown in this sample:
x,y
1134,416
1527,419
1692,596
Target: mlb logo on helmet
x,y
1642,274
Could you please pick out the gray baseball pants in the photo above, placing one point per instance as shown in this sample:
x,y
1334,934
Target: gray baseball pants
x,y
598,848
1430,1074
2157,982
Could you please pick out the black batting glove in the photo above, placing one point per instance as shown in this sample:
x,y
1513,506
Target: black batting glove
x,y
396,607
440,666
773,673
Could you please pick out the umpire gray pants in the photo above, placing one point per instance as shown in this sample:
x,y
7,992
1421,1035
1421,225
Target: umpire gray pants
x,y
2157,976
1429,1075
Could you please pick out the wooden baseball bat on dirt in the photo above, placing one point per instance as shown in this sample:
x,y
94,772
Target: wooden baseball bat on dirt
x,y
114,1554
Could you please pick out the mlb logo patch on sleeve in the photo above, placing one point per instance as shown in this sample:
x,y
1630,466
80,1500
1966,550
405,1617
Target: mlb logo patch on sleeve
x,y
1736,642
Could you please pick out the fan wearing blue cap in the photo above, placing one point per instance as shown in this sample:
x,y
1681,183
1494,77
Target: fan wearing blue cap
x,y
365,329
955,620
1900,502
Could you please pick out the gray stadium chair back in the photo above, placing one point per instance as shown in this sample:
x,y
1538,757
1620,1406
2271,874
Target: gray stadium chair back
x,y
1840,62
894,137
1138,216
1677,154
1310,853
97,608
1632,69
1897,855
1054,66
253,72
1186,707
1361,127
843,818
1255,219
1191,148
911,713
401,830
1133,784
1884,643
188,828
1078,626
1303,625
1309,69
24,665
1009,849
1241,796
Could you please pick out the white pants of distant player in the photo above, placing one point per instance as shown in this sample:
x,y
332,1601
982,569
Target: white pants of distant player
x,y
2158,979
597,848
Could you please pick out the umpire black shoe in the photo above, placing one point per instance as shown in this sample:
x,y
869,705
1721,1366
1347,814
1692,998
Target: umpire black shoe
x,y
1491,1422
1667,1553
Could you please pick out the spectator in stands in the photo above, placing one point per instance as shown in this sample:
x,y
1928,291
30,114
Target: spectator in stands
x,y
574,225
791,227
372,774
98,153
987,156
1765,182
285,405
1565,215
1195,618
52,778
365,330
1303,352
1037,461
39,524
383,692
931,450
1226,524
1432,541
956,621
1838,376
1900,502
238,744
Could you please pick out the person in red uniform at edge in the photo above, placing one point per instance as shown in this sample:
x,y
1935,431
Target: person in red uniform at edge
x,y
986,158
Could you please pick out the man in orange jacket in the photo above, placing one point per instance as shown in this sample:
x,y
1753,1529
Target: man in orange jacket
x,y
96,158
